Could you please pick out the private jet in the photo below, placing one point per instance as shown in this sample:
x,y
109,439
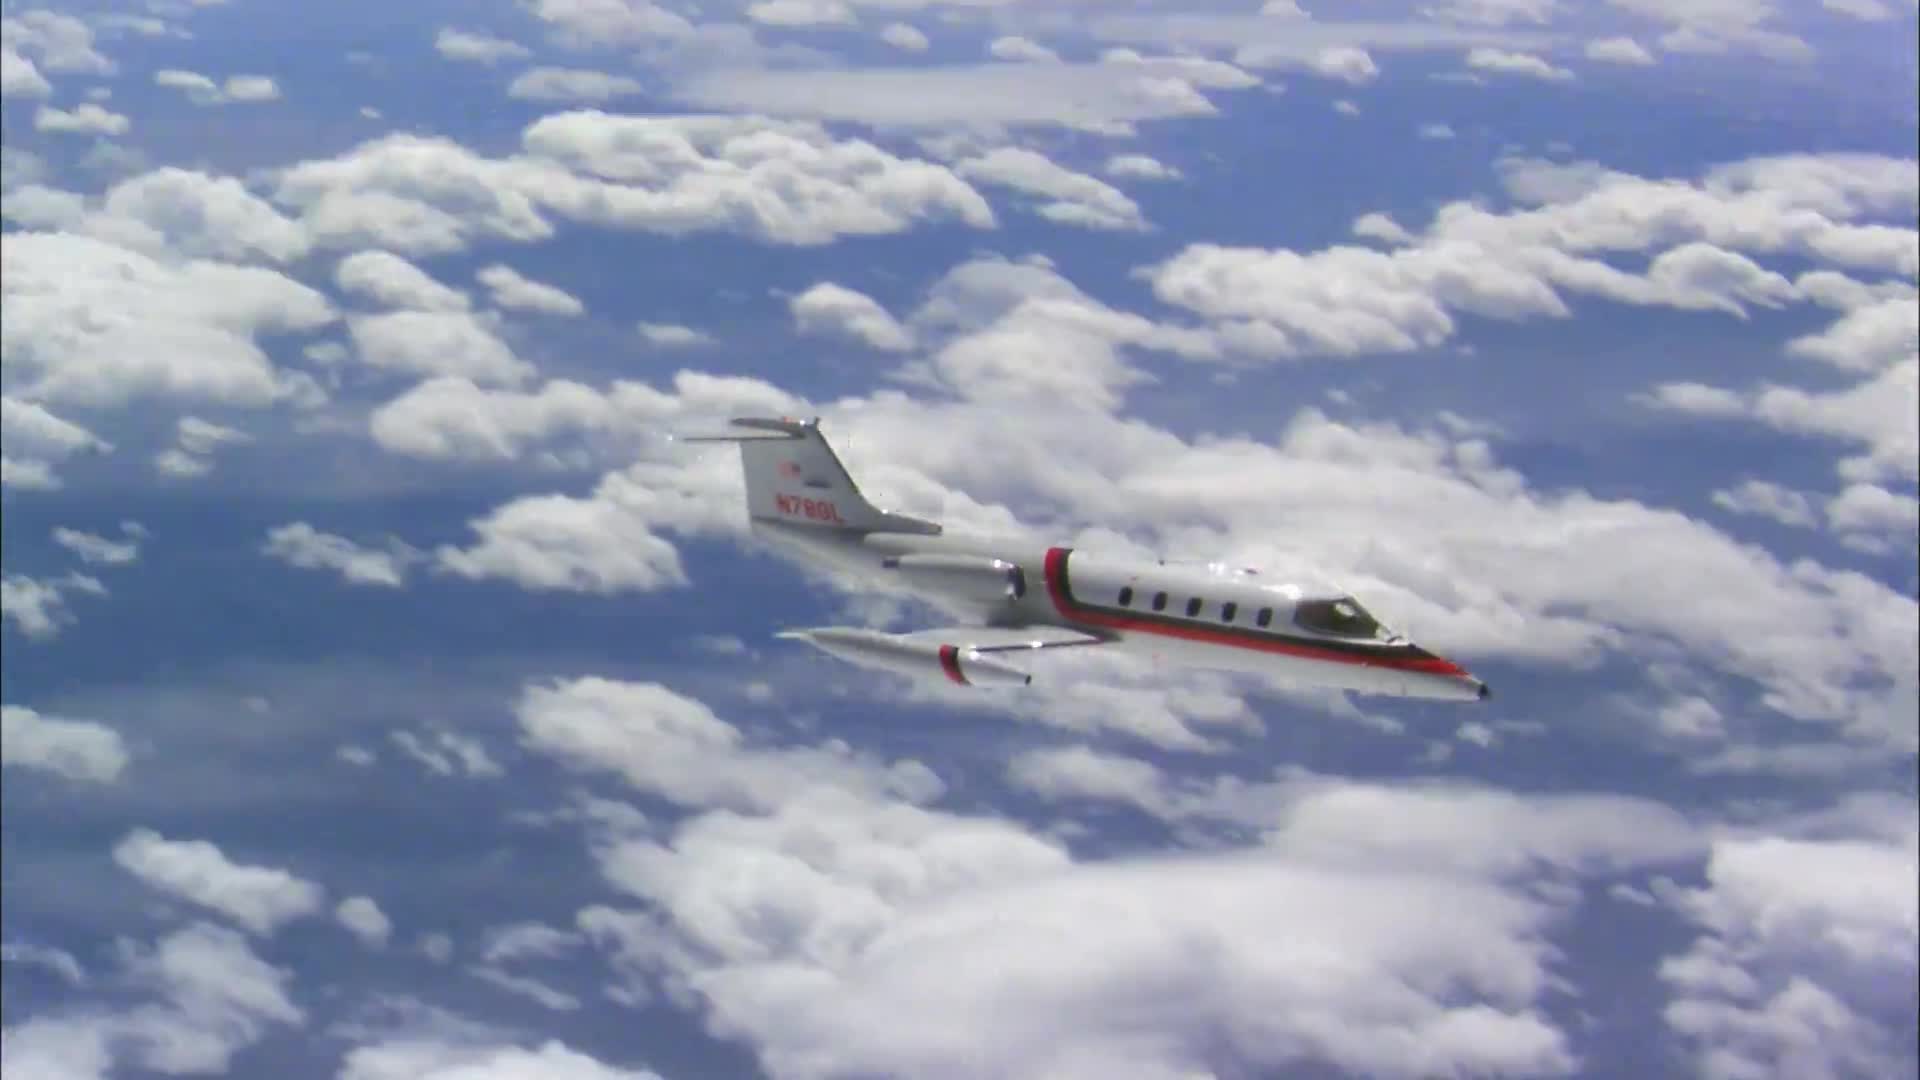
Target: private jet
x,y
1021,599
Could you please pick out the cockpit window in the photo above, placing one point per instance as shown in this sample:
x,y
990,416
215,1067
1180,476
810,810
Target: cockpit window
x,y
1341,618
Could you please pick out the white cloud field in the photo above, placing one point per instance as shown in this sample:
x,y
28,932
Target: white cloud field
x,y
387,694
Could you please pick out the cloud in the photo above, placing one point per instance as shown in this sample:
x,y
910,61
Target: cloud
x,y
207,996
904,37
75,749
1071,198
33,440
364,919
674,336
1877,414
19,78
433,343
571,84
801,13
1021,50
391,281
1712,27
301,545
1864,10
447,754
260,899
512,290
1501,62
92,323
1768,500
1619,50
202,90
98,550
780,183
1026,954
1380,227
1806,955
453,419
58,961
1348,301
473,47
195,441
168,213
1104,98
596,24
1140,167
668,745
85,119
60,43
835,310
430,1059
37,607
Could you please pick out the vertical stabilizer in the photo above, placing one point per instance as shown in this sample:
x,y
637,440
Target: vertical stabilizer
x,y
794,478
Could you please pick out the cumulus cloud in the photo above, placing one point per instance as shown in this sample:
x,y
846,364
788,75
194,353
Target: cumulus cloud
x,y
801,13
421,1058
571,84
1021,50
510,289
203,90
1346,301
674,747
1106,98
904,37
881,899
836,310
364,920
432,343
1769,500
37,607
203,996
75,749
1140,167
33,441
95,549
674,336
260,899
19,77
195,442
778,182
96,324
59,43
445,753
1619,50
479,48
84,119
1070,198
1806,955
391,281
301,545
1501,62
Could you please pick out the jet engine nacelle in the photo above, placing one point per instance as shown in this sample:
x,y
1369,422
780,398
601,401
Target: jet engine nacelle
x,y
971,578
913,656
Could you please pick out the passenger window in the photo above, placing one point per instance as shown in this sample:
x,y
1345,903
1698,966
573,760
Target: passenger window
x,y
1265,617
1227,611
1126,596
1159,601
1193,607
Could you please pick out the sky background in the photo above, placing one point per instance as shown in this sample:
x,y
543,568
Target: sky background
x,y
386,695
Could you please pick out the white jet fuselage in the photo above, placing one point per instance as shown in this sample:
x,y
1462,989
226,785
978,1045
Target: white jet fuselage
x,y
1197,616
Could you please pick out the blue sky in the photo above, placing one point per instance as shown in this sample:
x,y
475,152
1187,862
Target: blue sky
x,y
387,696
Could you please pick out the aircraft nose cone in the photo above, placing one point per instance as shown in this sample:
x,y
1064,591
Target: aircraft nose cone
x,y
1485,691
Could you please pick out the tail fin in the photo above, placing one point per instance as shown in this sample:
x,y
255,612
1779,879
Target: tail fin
x,y
795,478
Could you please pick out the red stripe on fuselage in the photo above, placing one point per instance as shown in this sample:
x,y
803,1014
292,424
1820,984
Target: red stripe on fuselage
x,y
1069,608
950,663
